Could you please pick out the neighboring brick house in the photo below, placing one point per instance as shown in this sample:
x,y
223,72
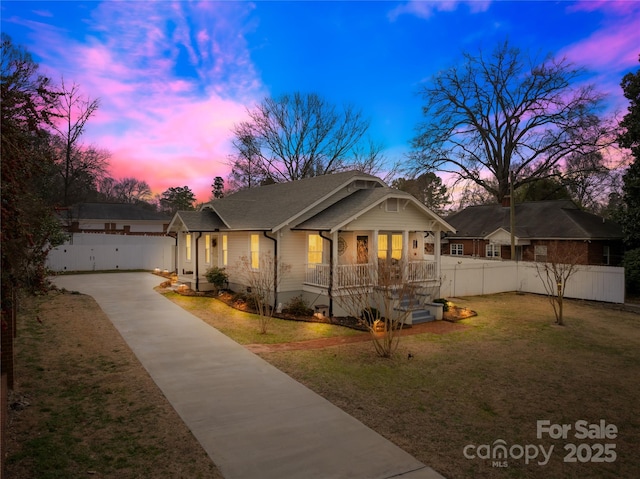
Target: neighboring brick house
x,y
540,228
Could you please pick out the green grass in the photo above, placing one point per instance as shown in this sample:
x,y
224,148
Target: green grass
x,y
243,327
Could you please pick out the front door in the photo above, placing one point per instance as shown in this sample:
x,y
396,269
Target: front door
x,y
362,245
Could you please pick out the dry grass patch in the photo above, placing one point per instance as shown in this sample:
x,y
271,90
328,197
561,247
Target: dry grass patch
x,y
84,405
511,367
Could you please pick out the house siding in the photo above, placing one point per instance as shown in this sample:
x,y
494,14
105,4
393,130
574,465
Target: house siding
x,y
239,247
379,218
293,244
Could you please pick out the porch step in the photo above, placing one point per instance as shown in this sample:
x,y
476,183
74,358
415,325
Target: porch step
x,y
421,316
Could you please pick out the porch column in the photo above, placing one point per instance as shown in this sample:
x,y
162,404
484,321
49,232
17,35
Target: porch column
x,y
334,255
405,255
436,252
373,254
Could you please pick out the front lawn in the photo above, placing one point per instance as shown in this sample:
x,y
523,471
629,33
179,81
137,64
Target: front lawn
x,y
493,381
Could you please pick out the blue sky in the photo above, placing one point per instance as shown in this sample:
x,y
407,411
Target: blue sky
x,y
173,77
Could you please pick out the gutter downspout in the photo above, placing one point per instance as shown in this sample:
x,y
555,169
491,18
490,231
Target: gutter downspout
x,y
275,269
330,289
198,263
175,252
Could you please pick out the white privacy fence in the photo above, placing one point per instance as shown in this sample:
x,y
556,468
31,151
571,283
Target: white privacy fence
x,y
470,276
97,251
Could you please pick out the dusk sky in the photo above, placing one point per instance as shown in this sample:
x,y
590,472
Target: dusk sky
x,y
174,77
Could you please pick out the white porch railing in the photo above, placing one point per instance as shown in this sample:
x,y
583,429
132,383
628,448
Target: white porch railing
x,y
420,271
348,275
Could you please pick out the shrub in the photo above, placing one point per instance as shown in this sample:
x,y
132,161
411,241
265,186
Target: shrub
x,y
370,315
217,277
298,306
444,302
631,265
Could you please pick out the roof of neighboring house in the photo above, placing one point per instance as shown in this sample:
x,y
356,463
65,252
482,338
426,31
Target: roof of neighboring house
x,y
271,207
559,219
111,211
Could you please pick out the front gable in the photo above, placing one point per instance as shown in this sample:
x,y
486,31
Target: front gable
x,y
383,208
503,237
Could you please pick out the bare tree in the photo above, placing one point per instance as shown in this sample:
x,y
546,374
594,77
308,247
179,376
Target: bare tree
x,y
500,114
561,264
262,276
382,301
131,190
247,169
300,135
471,194
73,111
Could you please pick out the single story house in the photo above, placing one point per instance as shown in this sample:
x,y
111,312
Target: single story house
x,y
329,230
113,218
542,226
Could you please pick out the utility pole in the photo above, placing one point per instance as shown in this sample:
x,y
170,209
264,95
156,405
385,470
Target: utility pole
x,y
512,217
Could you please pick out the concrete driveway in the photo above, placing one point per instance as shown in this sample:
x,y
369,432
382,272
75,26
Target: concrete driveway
x,y
254,421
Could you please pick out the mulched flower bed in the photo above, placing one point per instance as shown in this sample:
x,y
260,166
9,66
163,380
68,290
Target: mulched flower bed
x,y
456,314
453,315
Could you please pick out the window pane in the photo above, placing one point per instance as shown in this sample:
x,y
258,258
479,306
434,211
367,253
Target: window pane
x,y
396,247
207,248
383,245
224,250
187,240
255,251
314,254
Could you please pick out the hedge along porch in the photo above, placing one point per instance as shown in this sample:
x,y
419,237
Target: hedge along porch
x,y
328,230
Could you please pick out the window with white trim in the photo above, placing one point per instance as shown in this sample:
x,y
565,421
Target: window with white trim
x,y
187,246
390,245
396,247
382,246
207,249
225,250
606,255
255,251
456,249
314,249
492,250
540,253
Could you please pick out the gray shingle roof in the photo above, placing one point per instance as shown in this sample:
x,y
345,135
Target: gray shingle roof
x,y
273,206
205,220
269,206
112,211
534,220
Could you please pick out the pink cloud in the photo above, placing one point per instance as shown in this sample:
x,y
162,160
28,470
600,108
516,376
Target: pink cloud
x,y
617,6
612,49
166,117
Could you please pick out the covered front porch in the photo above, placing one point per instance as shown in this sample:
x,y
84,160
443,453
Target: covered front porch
x,y
344,260
346,276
